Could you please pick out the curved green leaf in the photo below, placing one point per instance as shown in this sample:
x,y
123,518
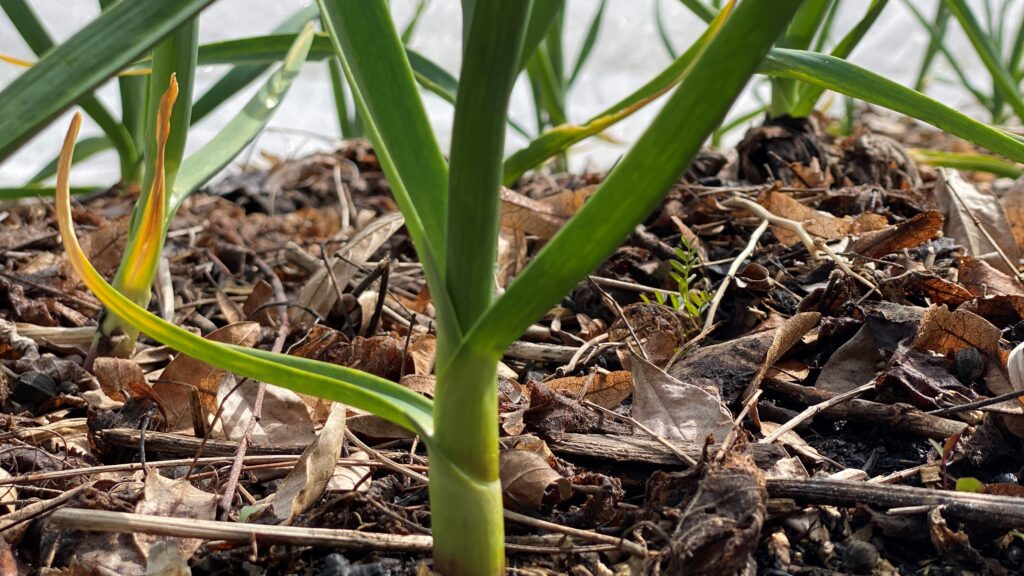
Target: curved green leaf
x,y
588,42
39,41
841,76
560,138
352,387
1005,84
963,161
83,62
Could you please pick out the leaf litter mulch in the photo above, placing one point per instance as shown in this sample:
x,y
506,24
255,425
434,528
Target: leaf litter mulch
x,y
829,411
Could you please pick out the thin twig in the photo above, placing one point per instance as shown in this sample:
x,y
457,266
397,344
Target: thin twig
x,y
634,422
763,213
709,320
628,546
811,411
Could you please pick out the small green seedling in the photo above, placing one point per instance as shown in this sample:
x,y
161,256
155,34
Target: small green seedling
x,y
689,299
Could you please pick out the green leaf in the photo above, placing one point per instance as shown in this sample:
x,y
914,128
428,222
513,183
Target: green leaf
x,y
542,16
638,182
352,387
242,75
700,9
1005,84
209,160
385,78
83,62
846,78
39,41
410,28
666,40
809,95
559,139
87,148
42,191
968,484
588,42
373,52
964,161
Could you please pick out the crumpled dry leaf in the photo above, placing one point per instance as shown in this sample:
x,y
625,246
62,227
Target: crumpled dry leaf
x,y
308,480
541,218
727,510
512,252
166,559
8,493
958,200
178,499
284,418
529,483
121,379
854,364
184,372
817,223
946,333
606,389
891,239
348,477
660,329
791,331
726,367
674,409
981,279
1013,204
318,292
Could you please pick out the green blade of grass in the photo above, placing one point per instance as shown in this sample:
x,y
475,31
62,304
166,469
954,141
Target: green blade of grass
x,y
410,29
588,42
963,161
42,191
937,35
663,35
936,39
638,182
827,25
87,148
38,40
408,199
83,62
206,162
700,9
1003,81
542,16
242,75
841,76
385,79
175,55
559,139
133,114
799,35
810,94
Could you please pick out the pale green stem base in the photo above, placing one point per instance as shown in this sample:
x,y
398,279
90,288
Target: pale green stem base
x,y
465,493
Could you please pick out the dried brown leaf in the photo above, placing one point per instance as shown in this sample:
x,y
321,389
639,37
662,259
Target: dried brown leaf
x,y
959,200
892,239
983,280
607,390
177,499
674,409
308,480
947,333
816,222
785,337
284,419
184,372
319,293
529,483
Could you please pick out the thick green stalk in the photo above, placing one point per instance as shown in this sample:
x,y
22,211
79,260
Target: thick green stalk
x,y
465,493
175,55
